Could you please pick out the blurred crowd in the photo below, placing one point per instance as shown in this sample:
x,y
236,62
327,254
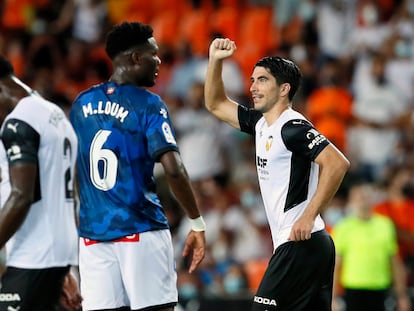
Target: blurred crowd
x,y
357,59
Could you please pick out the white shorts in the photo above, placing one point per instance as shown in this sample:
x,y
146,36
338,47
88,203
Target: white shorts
x,y
138,271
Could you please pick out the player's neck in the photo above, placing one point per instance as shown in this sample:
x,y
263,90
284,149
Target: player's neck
x,y
273,114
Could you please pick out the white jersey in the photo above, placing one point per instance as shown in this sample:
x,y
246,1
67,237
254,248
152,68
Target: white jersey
x,y
37,131
288,177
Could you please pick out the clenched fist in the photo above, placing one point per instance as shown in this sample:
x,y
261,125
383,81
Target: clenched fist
x,y
222,48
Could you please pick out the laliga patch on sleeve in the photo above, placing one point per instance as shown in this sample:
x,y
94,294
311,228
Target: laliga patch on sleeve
x,y
169,137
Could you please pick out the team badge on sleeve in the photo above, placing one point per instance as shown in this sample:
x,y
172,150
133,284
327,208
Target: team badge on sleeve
x,y
169,137
315,138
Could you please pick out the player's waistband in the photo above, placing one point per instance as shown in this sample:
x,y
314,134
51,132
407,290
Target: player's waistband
x,y
283,235
129,238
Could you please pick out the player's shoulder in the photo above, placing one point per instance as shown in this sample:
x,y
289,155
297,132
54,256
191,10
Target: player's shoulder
x,y
293,121
36,109
143,94
121,91
89,92
293,117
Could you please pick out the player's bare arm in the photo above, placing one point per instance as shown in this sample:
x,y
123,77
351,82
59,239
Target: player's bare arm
x,y
15,209
216,100
332,168
178,180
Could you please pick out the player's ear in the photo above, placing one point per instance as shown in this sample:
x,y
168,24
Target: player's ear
x,y
284,89
136,57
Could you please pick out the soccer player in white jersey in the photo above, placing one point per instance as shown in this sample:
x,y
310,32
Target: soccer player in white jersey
x,y
37,219
299,172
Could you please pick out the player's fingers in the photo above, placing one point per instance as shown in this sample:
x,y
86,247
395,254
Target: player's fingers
x,y
223,44
198,256
219,43
305,235
186,250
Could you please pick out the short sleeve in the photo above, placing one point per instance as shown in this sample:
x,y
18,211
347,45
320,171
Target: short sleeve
x,y
21,142
248,118
160,132
301,137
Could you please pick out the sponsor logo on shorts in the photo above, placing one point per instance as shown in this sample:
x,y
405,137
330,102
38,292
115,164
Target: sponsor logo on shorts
x,y
265,301
129,238
9,297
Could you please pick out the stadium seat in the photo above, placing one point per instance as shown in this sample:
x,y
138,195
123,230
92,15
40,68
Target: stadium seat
x,y
130,10
256,28
194,27
163,6
165,27
257,36
226,21
254,270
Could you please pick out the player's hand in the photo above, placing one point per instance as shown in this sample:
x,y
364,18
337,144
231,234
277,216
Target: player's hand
x,y
195,246
70,299
221,48
302,229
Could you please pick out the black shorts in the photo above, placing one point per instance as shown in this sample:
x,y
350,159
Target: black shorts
x,y
365,300
31,289
299,276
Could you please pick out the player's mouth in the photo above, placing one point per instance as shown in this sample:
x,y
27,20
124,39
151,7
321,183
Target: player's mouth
x,y
256,97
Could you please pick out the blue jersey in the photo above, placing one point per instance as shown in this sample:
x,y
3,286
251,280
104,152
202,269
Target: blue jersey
x,y
122,131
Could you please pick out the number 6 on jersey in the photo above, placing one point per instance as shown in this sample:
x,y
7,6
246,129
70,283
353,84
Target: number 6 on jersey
x,y
104,163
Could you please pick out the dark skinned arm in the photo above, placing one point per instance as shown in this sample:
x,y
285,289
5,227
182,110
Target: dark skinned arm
x,y
16,208
180,185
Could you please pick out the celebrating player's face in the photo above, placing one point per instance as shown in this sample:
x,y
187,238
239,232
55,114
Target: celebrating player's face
x,y
264,89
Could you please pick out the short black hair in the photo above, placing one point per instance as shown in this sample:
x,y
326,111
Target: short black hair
x,y
126,35
6,68
284,71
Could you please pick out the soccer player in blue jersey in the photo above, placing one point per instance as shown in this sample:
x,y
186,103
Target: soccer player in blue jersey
x,y
126,256
299,171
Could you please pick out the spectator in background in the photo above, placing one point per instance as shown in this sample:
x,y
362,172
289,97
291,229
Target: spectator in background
x,y
329,106
367,262
335,23
377,112
370,30
398,205
89,23
182,73
203,140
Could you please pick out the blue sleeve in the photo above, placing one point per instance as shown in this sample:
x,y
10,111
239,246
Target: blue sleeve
x,y
160,132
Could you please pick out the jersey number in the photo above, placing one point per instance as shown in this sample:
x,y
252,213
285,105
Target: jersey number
x,y
103,163
67,152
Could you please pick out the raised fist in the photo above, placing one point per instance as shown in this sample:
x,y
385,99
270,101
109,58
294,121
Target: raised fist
x,y
221,48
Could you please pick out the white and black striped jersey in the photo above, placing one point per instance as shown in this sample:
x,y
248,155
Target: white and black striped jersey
x,y
288,175
37,131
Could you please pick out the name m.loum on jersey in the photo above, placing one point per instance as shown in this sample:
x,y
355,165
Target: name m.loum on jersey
x,y
108,108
